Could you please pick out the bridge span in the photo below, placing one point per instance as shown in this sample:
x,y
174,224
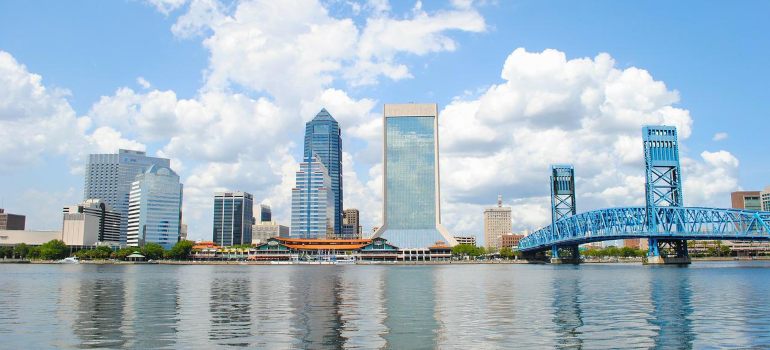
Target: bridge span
x,y
664,221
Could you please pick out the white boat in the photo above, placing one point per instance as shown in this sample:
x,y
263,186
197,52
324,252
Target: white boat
x,y
70,260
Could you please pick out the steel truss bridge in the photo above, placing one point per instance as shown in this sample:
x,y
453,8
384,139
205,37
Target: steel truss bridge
x,y
664,221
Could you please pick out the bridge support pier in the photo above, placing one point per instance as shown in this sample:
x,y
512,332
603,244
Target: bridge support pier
x,y
674,252
568,255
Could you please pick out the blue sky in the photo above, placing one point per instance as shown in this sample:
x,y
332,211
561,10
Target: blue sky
x,y
712,53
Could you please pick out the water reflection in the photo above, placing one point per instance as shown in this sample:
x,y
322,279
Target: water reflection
x,y
362,309
316,306
671,300
230,309
152,305
99,312
411,308
567,315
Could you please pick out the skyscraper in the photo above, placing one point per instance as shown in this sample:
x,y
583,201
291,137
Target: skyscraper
x,y
324,138
155,208
233,217
411,210
265,213
109,177
497,223
312,201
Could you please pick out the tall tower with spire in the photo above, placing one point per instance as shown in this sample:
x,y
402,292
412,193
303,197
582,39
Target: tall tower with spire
x,y
323,138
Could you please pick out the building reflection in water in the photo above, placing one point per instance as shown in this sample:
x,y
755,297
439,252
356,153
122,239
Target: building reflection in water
x,y
316,318
411,307
671,297
362,309
230,311
272,307
152,305
568,316
99,311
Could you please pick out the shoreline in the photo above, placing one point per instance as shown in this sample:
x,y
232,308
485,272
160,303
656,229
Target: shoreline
x,y
387,263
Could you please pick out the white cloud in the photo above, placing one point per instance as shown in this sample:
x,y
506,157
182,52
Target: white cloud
x,y
550,109
143,83
166,6
720,136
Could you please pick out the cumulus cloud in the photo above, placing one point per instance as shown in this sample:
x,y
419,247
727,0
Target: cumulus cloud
x,y
143,83
550,109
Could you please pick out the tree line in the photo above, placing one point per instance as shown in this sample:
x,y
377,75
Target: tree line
x,y
57,250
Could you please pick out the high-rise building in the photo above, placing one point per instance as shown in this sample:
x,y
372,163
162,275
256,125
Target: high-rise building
x,y
351,224
155,208
324,138
261,231
748,200
11,221
109,177
312,201
233,218
265,213
411,187
90,223
497,223
765,199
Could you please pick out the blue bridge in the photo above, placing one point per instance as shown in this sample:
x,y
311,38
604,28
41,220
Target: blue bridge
x,y
664,221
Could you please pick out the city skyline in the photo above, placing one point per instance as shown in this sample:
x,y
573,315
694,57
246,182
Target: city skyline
x,y
175,111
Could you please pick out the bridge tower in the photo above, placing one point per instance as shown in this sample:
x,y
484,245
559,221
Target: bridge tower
x,y
663,187
562,205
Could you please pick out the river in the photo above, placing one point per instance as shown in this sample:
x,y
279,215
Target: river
x,y
592,306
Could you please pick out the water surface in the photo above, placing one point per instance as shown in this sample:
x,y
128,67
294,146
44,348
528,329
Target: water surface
x,y
705,305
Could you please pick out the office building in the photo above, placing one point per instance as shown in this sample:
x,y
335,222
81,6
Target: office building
x,y
469,240
747,200
312,201
764,198
324,138
351,224
109,177
183,232
510,241
14,237
89,223
233,218
261,231
497,223
155,208
411,186
265,213
11,221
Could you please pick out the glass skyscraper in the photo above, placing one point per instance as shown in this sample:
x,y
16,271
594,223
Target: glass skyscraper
x,y
233,217
109,177
265,213
323,138
155,208
411,210
312,202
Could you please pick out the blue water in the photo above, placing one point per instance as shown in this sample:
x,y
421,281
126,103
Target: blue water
x,y
705,305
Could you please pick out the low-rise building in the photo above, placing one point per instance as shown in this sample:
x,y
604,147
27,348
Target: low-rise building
x,y
261,231
14,237
510,241
10,221
470,240
90,223
764,197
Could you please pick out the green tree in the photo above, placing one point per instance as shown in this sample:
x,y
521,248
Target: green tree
x,y
181,250
53,250
6,252
34,253
506,253
124,252
21,250
152,250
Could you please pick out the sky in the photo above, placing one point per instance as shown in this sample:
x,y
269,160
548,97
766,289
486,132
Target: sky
x,y
223,89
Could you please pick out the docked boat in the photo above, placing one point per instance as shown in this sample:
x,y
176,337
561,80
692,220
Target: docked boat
x,y
70,260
